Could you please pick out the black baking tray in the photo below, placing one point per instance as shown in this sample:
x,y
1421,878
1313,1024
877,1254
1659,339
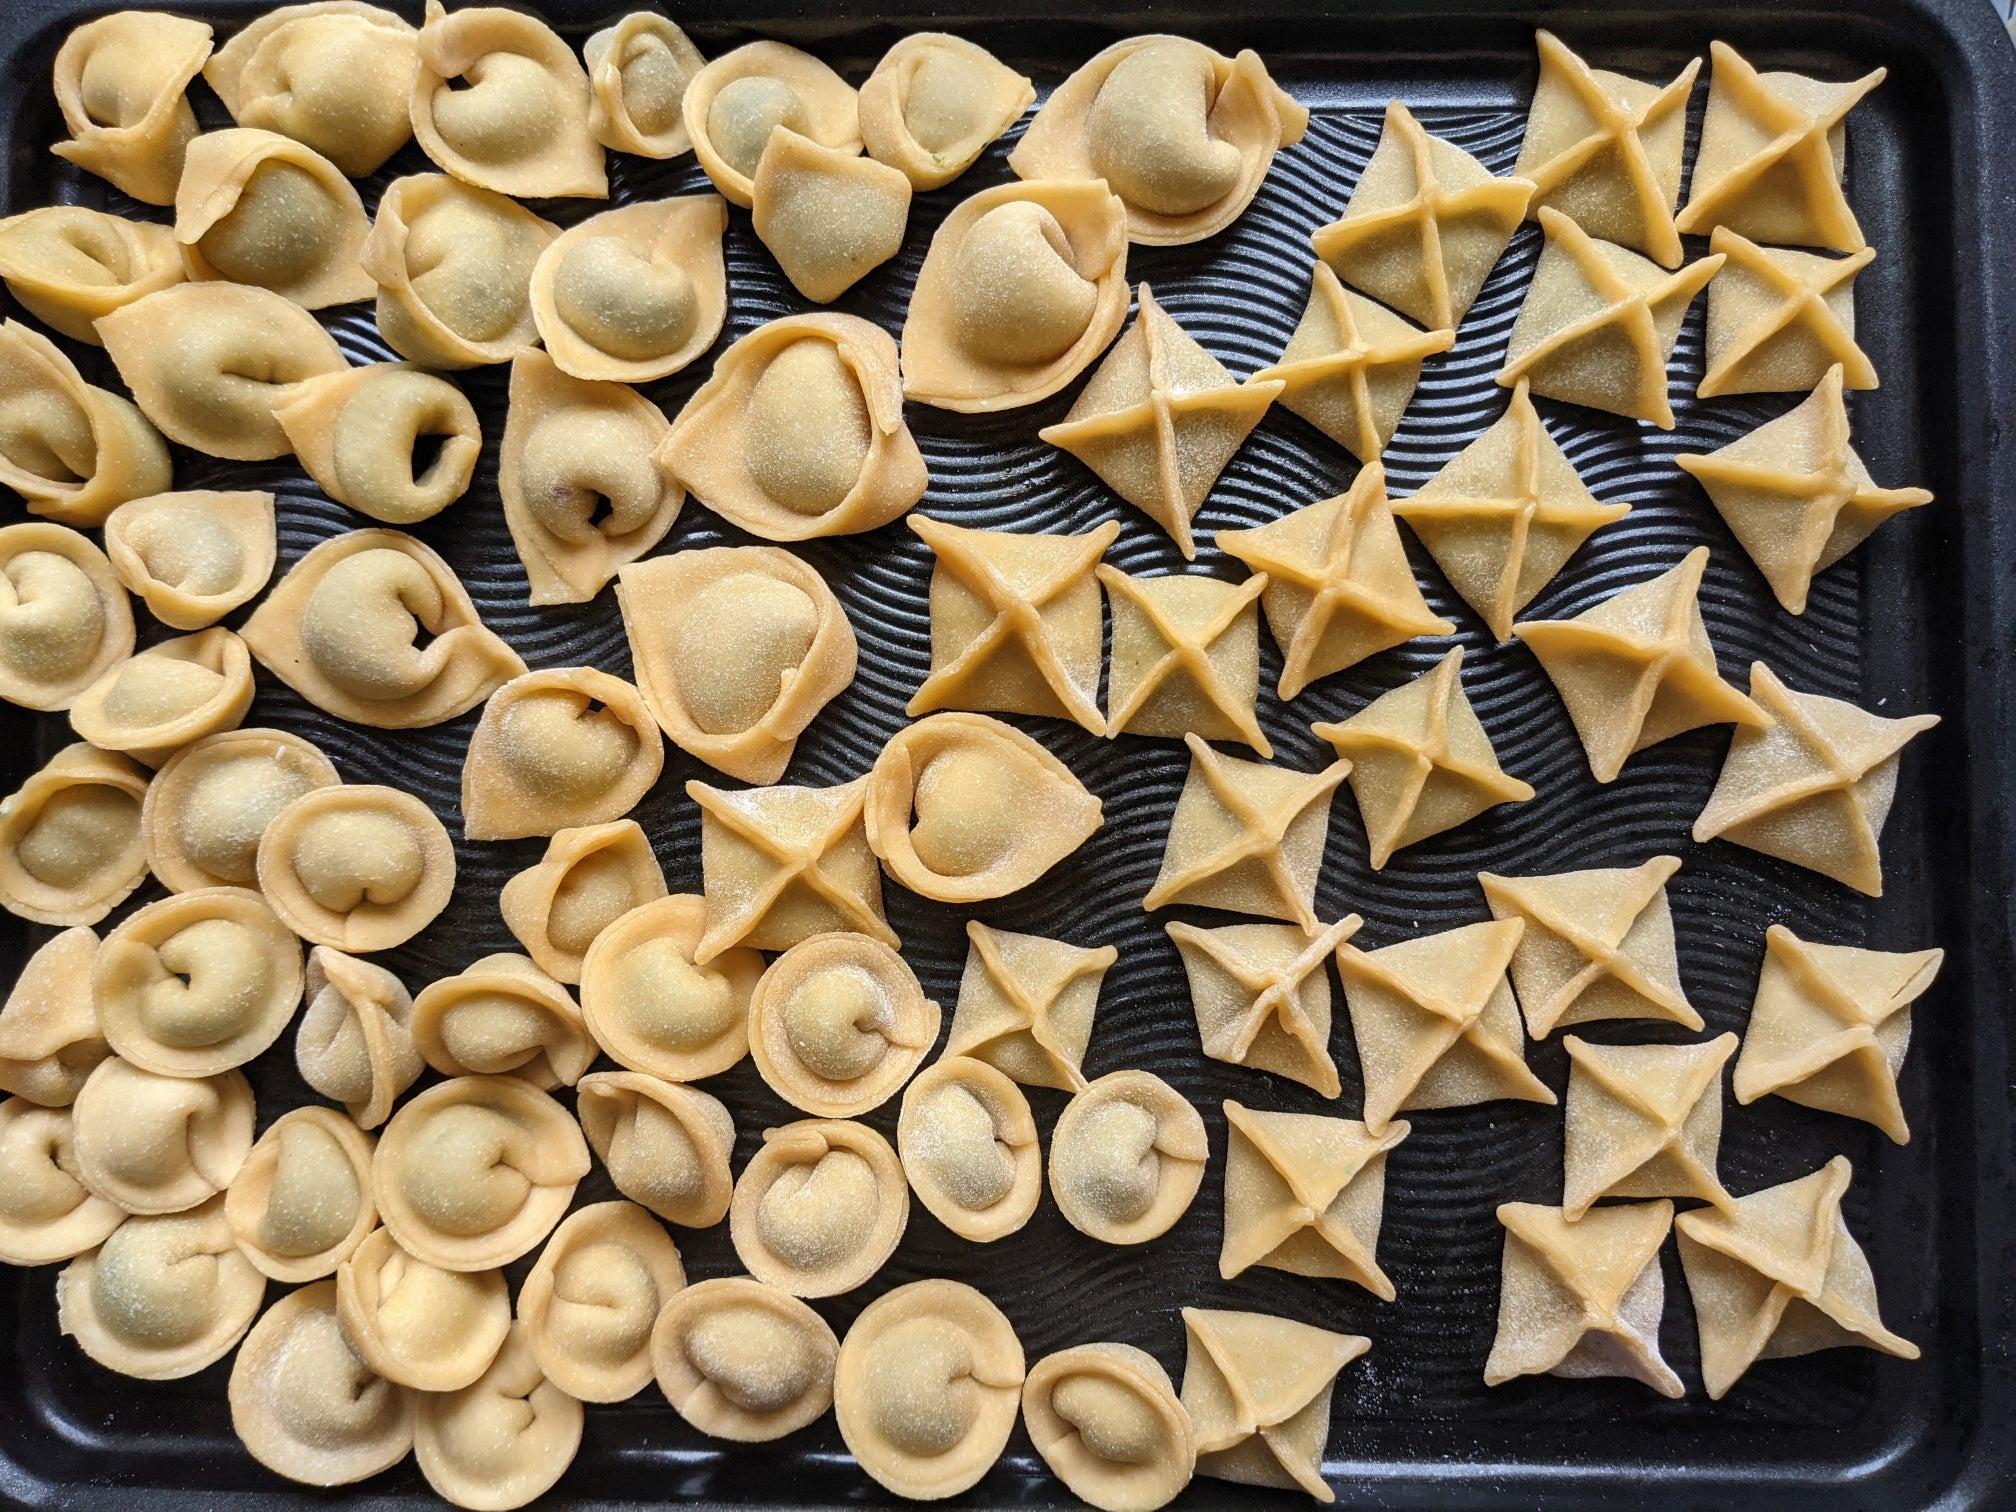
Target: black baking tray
x,y
1921,619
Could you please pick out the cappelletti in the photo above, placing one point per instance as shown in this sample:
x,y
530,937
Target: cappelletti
x,y
193,557
359,431
357,866
558,749
63,618
355,1041
68,265
301,1203
743,1361
589,1306
72,451
121,84
46,1212
174,692
258,208
71,847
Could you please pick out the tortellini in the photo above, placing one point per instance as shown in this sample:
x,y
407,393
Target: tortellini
x,y
193,557
160,1144
207,363
666,1145
799,432
1126,1158
558,749
301,1203
589,1305
652,1008
500,101
968,1144
49,1035
927,1386
64,620
962,807
174,692
357,866
355,1043
71,847
1183,135
501,1441
259,208
502,1016
838,1023
743,1361
1107,1420
340,629
73,452
634,293
120,83
211,802
332,74
68,265
417,1324
638,71
736,649
358,432
46,1212
197,983
475,1171
583,489
1023,285
454,265
819,1208
587,880
305,1406
935,102
162,1297
828,216
733,104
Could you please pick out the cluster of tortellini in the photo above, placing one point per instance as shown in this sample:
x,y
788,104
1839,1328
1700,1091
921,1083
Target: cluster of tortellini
x,y
127,1143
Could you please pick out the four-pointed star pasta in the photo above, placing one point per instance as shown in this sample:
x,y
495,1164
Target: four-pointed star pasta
x,y
1261,996
1026,1005
634,293
935,102
1305,1194
1257,1389
1642,1121
73,452
121,84
1186,657
1779,319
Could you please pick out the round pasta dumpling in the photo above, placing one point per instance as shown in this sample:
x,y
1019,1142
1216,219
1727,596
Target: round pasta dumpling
x,y
733,104
258,208
454,265
589,1305
637,292
638,71
193,557
342,630
736,649
358,432
197,983
968,1144
1109,1424
559,748
207,363
501,1441
502,1016
828,215
209,805
64,620
962,807
583,489
163,1296
71,848
357,866
666,1145
68,265
49,1035
176,691
417,1324
799,432
934,103
331,74
305,1406
820,1208
588,879
1182,134
1023,285
500,101
160,1144
121,83
1126,1158
46,1212
301,1203
838,1023
476,1170
652,1008
926,1388
355,1041
743,1361
73,452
